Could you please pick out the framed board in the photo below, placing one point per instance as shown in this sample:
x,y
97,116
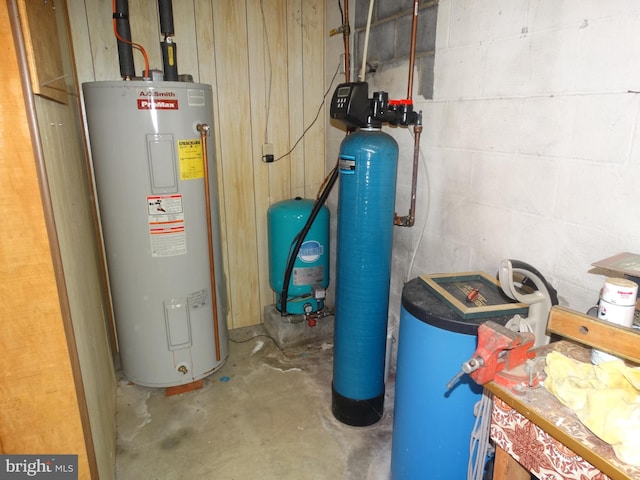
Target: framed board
x,y
472,294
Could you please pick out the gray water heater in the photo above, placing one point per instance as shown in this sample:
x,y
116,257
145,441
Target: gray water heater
x,y
162,240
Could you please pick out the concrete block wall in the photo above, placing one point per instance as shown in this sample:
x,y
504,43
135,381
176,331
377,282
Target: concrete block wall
x,y
531,145
390,39
531,141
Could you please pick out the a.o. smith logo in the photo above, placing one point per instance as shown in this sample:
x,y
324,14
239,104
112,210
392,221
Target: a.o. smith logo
x,y
157,94
49,467
157,100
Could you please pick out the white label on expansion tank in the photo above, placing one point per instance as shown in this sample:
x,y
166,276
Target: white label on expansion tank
x,y
166,225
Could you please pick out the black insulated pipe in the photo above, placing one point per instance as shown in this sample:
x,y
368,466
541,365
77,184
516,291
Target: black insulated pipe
x,y
169,48
165,8
125,50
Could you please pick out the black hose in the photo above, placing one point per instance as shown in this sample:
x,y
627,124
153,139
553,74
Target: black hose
x,y
300,239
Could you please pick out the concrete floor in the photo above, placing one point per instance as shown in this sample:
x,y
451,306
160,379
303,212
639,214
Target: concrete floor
x,y
265,414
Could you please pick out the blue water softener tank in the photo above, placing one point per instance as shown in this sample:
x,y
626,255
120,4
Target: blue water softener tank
x,y
432,426
310,274
368,164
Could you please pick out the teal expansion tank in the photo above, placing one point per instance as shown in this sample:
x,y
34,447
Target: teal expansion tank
x,y
310,274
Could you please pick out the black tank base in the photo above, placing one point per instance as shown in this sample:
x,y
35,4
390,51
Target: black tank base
x,y
357,413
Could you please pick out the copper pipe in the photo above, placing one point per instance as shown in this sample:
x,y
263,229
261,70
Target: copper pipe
x,y
203,128
412,51
417,128
410,219
346,31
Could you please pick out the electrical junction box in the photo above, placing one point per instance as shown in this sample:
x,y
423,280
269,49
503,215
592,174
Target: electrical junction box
x,y
319,292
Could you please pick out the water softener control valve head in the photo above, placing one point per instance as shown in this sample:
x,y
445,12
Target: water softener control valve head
x,y
351,106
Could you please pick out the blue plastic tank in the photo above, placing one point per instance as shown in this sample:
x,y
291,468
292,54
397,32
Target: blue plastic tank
x,y
432,426
368,163
285,220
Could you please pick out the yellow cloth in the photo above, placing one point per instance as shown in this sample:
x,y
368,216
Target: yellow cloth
x,y
605,397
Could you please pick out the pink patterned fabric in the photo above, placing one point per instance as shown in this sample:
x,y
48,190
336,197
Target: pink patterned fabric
x,y
535,449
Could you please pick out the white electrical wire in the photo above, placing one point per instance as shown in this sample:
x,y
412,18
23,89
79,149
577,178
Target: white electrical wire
x,y
479,445
366,42
304,132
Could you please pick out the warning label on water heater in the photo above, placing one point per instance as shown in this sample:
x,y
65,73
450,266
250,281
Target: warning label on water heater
x,y
166,225
190,159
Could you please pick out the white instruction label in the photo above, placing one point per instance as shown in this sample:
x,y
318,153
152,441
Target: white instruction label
x,y
166,225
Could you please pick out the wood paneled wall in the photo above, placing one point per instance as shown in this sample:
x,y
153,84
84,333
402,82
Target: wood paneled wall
x,y
265,61
57,386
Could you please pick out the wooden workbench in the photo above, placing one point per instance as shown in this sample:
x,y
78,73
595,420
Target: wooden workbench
x,y
535,433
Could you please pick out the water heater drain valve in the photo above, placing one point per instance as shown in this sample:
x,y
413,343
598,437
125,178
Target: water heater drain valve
x,y
183,368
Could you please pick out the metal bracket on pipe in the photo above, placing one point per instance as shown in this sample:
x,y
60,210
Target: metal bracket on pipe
x,y
405,221
345,29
